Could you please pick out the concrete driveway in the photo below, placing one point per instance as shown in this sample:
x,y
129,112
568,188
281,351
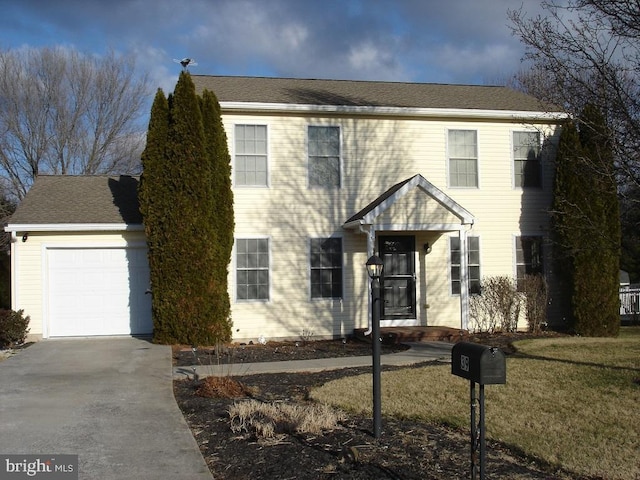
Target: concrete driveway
x,y
108,400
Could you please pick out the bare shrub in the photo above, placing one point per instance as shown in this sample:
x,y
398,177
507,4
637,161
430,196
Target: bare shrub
x,y
481,316
536,299
265,420
497,307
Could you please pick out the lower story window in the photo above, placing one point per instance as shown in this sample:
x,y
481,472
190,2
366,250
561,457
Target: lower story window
x,y
473,264
528,258
252,269
326,267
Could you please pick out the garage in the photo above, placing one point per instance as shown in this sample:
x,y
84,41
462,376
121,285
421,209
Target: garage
x,y
98,291
79,263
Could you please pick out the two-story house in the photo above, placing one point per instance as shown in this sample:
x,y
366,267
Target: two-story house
x,y
447,184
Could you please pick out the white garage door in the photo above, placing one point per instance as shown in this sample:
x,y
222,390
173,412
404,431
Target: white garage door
x,y
98,291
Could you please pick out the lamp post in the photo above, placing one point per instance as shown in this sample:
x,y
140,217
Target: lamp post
x,y
374,269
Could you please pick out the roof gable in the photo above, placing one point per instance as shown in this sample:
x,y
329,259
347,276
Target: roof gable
x,y
436,210
82,199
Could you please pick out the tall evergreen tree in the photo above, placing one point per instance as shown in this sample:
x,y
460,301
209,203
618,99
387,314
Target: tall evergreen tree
x,y
587,225
178,202
153,198
221,211
564,215
597,268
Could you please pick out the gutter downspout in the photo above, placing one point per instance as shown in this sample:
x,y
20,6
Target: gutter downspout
x,y
14,271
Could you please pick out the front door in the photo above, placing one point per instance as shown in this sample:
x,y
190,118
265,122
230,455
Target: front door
x,y
398,282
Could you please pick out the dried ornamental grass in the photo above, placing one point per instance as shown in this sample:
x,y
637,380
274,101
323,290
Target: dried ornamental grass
x,y
265,420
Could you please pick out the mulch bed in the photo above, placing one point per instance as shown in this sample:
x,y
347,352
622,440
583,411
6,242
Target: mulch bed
x,y
407,449
274,351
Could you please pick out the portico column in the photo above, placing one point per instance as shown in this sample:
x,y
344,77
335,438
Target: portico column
x,y
464,280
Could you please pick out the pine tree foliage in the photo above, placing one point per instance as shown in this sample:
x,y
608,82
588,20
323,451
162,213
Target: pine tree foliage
x,y
597,270
151,195
587,225
180,202
221,213
564,214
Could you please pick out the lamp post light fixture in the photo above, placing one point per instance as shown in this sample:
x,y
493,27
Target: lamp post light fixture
x,y
374,269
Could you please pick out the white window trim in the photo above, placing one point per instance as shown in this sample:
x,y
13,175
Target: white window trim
x,y
233,155
541,140
341,157
342,265
235,270
469,235
448,158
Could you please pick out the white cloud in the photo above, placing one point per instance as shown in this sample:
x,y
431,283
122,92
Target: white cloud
x,y
480,62
161,71
374,62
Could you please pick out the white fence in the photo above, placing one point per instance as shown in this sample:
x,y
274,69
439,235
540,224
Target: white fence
x,y
630,300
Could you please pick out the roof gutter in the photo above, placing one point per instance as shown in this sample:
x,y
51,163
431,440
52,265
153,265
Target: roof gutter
x,y
510,115
74,227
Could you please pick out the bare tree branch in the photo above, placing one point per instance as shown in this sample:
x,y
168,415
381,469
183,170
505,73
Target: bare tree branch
x,y
62,112
588,52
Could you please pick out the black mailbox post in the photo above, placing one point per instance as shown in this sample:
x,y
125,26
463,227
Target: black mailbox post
x,y
482,365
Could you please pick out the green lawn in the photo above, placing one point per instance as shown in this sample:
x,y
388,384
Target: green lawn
x,y
573,402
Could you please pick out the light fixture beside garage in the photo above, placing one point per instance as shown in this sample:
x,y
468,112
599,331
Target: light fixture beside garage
x,y
25,237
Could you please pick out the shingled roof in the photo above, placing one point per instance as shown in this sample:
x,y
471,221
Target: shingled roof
x,y
95,199
367,94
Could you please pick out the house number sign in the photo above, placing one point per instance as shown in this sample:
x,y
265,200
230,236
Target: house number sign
x,y
464,363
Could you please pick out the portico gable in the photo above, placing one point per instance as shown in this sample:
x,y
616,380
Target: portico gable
x,y
416,205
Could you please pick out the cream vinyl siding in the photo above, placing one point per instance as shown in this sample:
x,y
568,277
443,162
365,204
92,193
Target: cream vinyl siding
x,y
416,209
443,308
29,286
376,153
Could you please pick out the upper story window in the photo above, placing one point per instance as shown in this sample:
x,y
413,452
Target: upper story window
x,y
463,158
250,164
473,264
326,267
324,156
529,259
526,159
252,268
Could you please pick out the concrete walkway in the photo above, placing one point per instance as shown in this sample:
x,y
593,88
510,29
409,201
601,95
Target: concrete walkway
x,y
108,400
418,352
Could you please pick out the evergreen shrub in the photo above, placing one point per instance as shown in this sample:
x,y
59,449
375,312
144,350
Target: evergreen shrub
x,y
14,327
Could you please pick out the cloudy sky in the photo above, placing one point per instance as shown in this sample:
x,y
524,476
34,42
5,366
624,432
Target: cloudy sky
x,y
455,41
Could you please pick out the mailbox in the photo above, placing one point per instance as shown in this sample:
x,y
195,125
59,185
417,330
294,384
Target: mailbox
x,y
478,363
